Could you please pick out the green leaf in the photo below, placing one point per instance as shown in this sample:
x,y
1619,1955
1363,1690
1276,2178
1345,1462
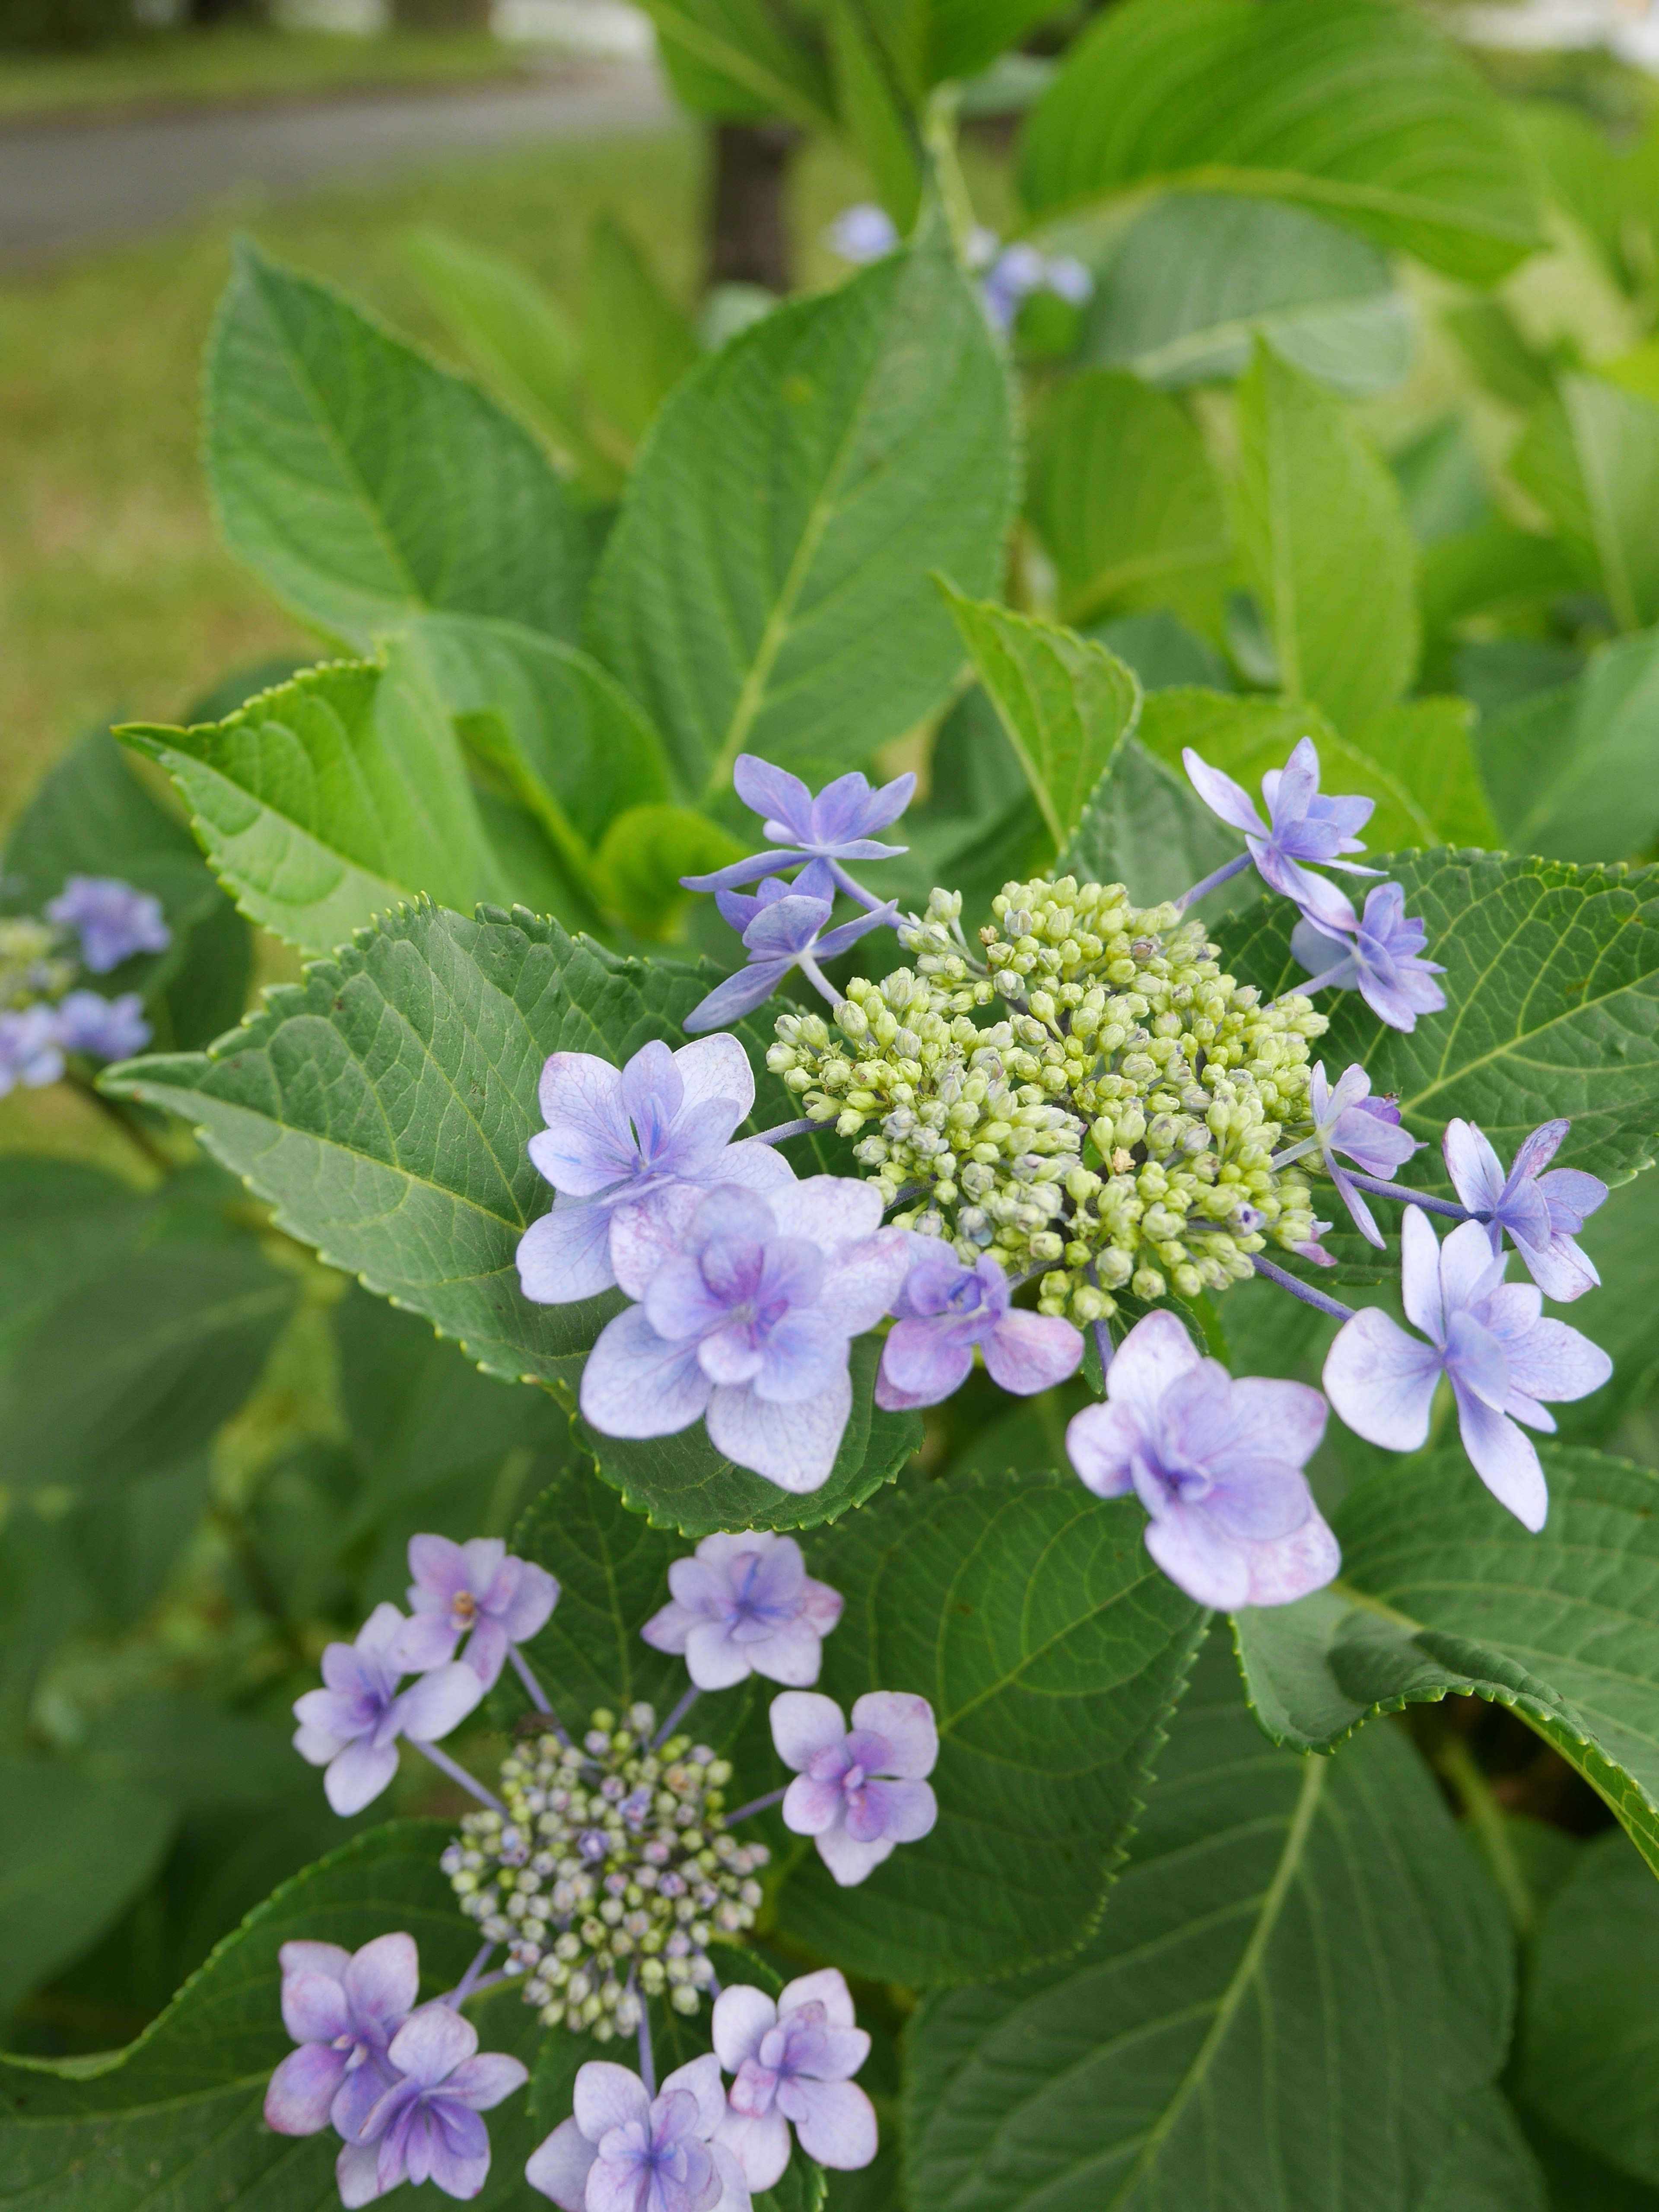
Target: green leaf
x,y
1587,2023
1066,703
1443,1593
177,2115
1551,985
961,36
1324,537
766,588
383,1106
46,1601
1201,275
1500,356
1302,1976
1427,750
1622,1239
682,1482
877,115
1572,771
736,60
1590,457
1490,2167
643,855
1357,110
636,343
1123,497
1052,1651
194,1754
1145,827
1579,2182
345,794
363,483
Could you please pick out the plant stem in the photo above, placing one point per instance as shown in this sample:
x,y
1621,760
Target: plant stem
x,y
1319,982
446,1764
1305,1292
855,890
1407,1197
133,1130
1475,1793
464,1989
1213,881
784,1131
647,2062
815,976
756,1805
536,1695
681,1709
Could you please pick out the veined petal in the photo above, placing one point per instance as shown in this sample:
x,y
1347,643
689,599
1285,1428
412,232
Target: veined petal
x,y
1026,1352
1504,1459
606,2096
1198,1557
907,1722
1291,1566
793,1446
742,2016
1155,1353
922,1361
829,1210
1381,1381
835,2121
1222,795
302,2089
1555,1361
566,1255
850,1862
429,1708
737,995
781,800
587,1143
804,1721
1101,1442
1419,1273
635,1384
559,2166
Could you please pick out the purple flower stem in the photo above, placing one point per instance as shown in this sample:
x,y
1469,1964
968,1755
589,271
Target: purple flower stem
x,y
815,976
1314,984
1213,881
903,1197
493,1981
446,1764
468,1981
853,889
647,2062
1407,1197
688,1700
757,1805
782,1133
713,1980
1309,1296
536,1695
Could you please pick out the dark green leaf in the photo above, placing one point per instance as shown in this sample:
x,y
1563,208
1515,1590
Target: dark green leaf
x,y
736,60
195,1755
1491,2168
75,1849
1590,458
1146,828
1572,771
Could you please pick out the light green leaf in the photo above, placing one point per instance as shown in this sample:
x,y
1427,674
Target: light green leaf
x,y
1443,1593
1052,1651
197,1756
1067,704
682,1482
1590,457
1622,1239
1574,771
735,59
1356,109
1425,749
643,855
363,483
1124,499
961,36
1500,356
766,588
1302,1976
1201,275
636,343
1324,537
877,115
1146,828
1551,984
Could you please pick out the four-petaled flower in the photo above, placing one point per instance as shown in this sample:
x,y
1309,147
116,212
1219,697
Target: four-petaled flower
x,y
1377,957
106,1028
745,1605
623,2150
1485,1337
475,1589
857,1793
1347,1119
833,827
1541,1212
787,931
112,920
945,1309
343,2008
30,1053
352,1725
618,1142
1218,1465
1304,826
793,2061
751,1326
426,2126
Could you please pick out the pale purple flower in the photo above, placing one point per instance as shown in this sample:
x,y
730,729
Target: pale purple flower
x,y
426,2126
1347,1119
106,1029
1541,1212
862,234
478,1591
1377,956
618,1142
1486,1337
30,1053
793,2061
788,932
857,1793
352,1725
745,1605
112,920
623,2150
1218,1465
751,1326
833,827
343,2008
1011,278
1304,827
944,1311
1068,279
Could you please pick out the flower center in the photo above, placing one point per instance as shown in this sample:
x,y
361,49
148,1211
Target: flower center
x,y
466,1606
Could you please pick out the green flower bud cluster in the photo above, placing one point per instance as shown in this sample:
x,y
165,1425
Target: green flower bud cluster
x,y
31,964
610,1874
1115,1130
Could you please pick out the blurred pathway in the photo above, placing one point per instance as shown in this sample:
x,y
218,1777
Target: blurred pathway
x,y
64,186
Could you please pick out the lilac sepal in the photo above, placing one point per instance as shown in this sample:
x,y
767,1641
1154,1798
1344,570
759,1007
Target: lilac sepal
x,y
112,920
786,931
1486,1337
1542,1213
793,2062
862,234
343,2009
750,1326
426,2126
623,2150
1377,956
859,1792
619,1142
104,1029
944,1311
1218,1465
30,1052
1301,826
475,1589
1347,1119
835,825
745,1605
352,1725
